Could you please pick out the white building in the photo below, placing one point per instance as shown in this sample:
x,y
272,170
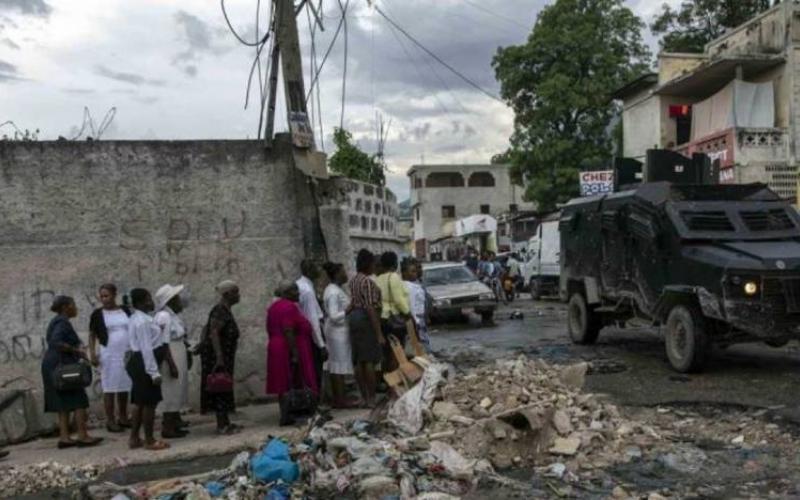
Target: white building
x,y
442,194
738,102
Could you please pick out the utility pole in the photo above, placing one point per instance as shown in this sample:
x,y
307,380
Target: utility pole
x,y
287,54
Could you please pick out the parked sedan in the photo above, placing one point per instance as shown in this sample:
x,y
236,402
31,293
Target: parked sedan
x,y
453,289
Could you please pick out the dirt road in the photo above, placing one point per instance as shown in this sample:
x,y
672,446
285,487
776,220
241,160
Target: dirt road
x,y
630,364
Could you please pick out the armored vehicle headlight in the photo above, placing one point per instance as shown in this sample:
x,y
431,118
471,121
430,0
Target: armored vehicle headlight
x,y
751,288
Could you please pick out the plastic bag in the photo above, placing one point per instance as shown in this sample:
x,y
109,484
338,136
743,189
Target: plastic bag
x,y
215,489
406,412
273,463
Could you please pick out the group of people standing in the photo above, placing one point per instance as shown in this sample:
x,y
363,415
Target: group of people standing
x,y
347,335
141,349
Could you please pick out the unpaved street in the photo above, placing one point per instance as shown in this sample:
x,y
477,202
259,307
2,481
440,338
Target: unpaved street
x,y
727,427
630,364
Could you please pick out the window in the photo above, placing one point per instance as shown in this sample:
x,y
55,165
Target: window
x,y
513,208
448,212
485,209
444,179
358,204
481,179
416,213
417,183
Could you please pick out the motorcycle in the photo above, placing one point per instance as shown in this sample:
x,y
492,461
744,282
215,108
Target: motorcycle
x,y
509,287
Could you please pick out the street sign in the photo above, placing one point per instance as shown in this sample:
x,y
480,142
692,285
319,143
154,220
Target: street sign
x,y
597,182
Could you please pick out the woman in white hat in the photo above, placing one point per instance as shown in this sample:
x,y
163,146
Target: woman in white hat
x,y
174,369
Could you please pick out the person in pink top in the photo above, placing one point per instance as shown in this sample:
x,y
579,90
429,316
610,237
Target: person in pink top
x,y
290,359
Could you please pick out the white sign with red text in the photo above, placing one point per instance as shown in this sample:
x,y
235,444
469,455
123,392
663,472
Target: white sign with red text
x,y
597,182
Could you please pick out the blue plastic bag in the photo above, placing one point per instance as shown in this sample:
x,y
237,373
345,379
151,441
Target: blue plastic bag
x,y
279,492
215,489
273,463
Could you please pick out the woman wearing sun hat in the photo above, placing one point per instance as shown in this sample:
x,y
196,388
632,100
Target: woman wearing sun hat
x,y
174,369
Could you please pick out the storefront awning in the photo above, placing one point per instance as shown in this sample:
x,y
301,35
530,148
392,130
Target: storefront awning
x,y
476,224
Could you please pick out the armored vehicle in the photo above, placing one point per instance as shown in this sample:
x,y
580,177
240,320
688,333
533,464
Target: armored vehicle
x,y
708,263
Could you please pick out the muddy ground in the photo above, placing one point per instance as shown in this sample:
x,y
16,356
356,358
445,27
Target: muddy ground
x,y
733,429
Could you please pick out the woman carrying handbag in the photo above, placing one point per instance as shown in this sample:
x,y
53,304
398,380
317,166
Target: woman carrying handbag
x,y
66,374
290,361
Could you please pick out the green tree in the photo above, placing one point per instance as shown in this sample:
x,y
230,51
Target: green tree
x,y
696,22
559,83
350,161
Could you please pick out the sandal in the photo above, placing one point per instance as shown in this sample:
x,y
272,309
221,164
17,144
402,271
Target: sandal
x,y
114,428
156,446
135,445
88,444
67,444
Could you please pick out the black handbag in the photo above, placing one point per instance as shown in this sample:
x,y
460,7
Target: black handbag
x,y
300,399
72,376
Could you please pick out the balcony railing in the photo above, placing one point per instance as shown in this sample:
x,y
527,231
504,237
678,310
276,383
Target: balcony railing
x,y
740,145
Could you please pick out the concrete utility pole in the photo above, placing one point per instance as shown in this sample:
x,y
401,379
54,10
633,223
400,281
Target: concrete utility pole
x,y
287,50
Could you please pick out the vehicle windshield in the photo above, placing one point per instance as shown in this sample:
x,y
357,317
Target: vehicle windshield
x,y
447,276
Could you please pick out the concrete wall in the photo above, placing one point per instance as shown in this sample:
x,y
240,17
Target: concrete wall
x,y
640,130
366,213
141,214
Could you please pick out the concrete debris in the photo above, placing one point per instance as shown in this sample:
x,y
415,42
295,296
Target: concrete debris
x,y
565,446
521,414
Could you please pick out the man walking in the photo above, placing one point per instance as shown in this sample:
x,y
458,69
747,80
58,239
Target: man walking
x,y
309,305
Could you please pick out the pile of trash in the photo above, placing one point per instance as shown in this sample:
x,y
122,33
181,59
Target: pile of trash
x,y
440,440
452,434
16,481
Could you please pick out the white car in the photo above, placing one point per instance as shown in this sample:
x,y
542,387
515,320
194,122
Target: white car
x,y
453,288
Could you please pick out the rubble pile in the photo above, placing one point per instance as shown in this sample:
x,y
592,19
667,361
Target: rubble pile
x,y
46,475
448,437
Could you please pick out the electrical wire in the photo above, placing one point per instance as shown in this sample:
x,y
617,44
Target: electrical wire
x,y
344,71
330,47
495,14
437,58
230,26
416,66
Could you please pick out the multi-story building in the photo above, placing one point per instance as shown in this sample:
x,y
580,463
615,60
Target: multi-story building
x,y
738,102
442,194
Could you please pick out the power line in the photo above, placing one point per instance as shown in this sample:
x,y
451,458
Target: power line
x,y
495,14
344,71
416,66
230,26
330,47
437,58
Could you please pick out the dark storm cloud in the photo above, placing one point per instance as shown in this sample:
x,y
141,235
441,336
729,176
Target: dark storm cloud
x,y
38,8
8,72
463,37
124,77
200,39
196,32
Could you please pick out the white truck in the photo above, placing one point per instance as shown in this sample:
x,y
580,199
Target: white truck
x,y
542,268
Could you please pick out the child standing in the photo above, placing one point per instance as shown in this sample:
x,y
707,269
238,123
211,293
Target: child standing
x,y
418,300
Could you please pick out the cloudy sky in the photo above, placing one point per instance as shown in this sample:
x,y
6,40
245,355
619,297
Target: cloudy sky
x,y
173,70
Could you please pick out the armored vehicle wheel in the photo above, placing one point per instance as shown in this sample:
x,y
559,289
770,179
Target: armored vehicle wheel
x,y
687,342
583,323
536,289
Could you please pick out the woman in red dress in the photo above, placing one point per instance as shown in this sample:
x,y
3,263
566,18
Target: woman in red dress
x,y
290,361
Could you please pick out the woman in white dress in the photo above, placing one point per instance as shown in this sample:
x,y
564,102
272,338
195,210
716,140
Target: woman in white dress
x,y
108,326
175,367
337,333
